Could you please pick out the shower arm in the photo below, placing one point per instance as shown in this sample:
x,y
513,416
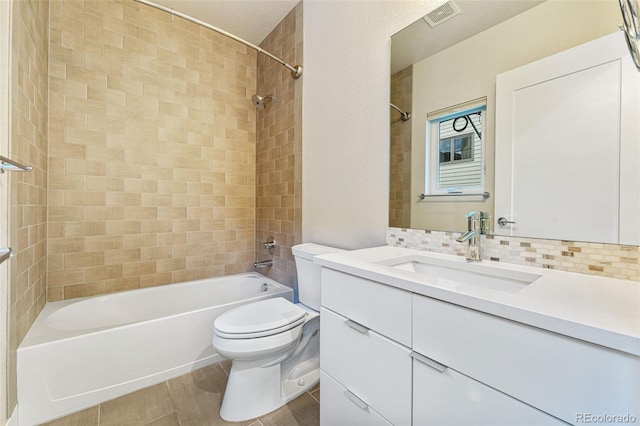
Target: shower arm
x,y
296,71
405,115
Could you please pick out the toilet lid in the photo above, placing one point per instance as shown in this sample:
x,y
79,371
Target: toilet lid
x,y
260,318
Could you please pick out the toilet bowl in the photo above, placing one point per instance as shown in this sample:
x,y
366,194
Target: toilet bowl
x,y
274,345
259,331
265,373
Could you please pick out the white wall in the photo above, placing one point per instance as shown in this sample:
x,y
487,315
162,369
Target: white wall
x,y
345,141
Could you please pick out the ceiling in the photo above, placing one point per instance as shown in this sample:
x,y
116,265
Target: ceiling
x,y
251,20
419,40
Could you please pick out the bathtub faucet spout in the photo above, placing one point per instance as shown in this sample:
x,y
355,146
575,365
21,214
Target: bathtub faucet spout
x,y
263,264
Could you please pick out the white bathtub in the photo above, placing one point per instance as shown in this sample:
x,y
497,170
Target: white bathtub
x,y
82,352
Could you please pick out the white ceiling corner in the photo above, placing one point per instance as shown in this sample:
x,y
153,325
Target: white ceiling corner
x,y
251,20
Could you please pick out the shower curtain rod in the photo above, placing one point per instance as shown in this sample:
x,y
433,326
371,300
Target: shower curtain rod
x,y
405,115
296,71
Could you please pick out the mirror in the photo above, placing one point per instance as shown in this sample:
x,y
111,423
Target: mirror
x,y
455,62
631,28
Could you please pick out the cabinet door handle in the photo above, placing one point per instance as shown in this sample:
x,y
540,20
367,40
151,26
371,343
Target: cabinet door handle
x,y
357,327
428,361
360,403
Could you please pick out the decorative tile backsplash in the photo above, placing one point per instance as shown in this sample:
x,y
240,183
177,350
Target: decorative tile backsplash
x,y
610,260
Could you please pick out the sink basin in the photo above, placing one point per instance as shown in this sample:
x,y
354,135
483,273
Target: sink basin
x,y
449,271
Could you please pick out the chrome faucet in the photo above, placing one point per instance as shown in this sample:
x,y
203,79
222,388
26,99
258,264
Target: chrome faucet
x,y
263,263
270,247
477,225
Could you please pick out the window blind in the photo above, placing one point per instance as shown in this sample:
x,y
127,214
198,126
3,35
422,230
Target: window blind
x,y
452,110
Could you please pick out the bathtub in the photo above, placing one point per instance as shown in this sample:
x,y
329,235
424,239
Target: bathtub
x,y
82,352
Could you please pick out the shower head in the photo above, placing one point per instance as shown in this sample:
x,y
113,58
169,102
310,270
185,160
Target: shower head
x,y
261,101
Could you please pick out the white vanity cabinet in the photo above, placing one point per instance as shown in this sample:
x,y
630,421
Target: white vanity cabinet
x,y
391,356
361,324
442,396
559,375
341,407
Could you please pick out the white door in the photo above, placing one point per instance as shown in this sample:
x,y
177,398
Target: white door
x,y
567,153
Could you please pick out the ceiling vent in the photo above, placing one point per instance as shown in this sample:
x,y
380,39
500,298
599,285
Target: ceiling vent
x,y
437,16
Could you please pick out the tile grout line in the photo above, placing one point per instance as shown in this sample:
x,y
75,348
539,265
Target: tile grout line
x,y
223,369
257,421
311,394
171,397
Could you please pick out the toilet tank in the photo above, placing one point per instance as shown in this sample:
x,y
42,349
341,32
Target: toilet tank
x,y
309,273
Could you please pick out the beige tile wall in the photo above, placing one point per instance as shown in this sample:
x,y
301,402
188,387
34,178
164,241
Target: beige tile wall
x,y
152,150
279,140
27,191
400,185
608,260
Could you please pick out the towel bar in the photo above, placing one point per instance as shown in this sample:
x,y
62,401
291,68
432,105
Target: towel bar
x,y
5,253
12,166
454,194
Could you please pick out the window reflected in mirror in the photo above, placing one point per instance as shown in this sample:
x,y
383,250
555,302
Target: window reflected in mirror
x,y
456,140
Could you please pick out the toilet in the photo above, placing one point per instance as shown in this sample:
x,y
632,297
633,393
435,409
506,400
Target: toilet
x,y
274,344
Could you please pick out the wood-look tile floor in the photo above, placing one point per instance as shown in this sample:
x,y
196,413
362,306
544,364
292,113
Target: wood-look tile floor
x,y
190,400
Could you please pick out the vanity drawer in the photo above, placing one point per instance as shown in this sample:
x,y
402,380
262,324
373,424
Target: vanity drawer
x,y
342,407
371,366
382,308
557,374
442,396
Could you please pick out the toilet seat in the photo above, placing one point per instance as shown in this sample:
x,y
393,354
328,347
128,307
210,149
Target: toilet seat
x,y
260,319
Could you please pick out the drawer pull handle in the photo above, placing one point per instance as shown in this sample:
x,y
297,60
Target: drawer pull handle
x,y
428,361
360,403
357,327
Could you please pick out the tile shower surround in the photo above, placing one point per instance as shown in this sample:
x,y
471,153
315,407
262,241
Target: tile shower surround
x,y
146,172
400,164
609,260
152,150
278,150
27,230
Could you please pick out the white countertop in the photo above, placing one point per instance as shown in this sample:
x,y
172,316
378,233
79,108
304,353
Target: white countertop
x,y
600,310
